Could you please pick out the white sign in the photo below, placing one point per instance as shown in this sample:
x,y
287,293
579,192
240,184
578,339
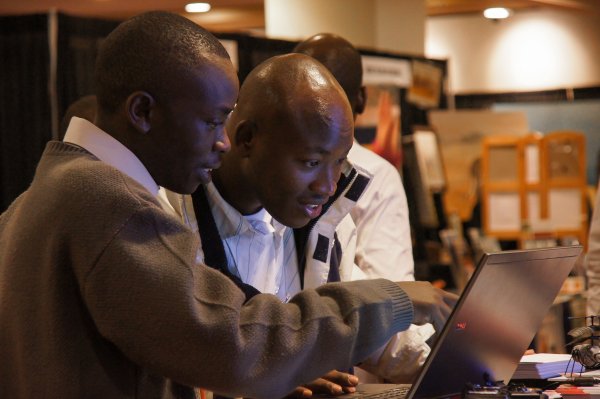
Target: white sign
x,y
386,71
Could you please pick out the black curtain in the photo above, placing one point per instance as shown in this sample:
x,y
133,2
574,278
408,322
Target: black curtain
x,y
77,47
25,92
254,50
25,119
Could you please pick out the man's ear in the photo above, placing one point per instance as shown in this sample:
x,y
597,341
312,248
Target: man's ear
x,y
139,106
361,100
244,136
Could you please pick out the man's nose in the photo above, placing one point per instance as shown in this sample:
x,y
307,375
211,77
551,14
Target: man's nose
x,y
222,144
326,183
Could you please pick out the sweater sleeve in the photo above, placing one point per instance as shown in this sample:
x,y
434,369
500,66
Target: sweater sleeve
x,y
402,357
188,322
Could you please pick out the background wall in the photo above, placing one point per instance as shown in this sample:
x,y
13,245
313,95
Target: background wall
x,y
394,25
537,49
580,115
400,25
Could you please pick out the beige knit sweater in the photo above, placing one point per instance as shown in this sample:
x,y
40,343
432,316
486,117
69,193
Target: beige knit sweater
x,y
100,298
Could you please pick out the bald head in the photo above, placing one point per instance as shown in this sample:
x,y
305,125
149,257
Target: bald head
x,y
290,132
292,88
343,61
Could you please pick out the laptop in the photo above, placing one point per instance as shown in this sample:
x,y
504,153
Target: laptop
x,y
491,326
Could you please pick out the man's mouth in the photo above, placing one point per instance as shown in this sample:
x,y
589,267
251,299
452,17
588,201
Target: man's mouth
x,y
313,210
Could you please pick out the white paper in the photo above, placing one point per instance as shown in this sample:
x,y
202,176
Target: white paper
x,y
532,164
565,208
504,212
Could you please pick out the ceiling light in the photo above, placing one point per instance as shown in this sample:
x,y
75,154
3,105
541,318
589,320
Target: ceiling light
x,y
496,13
197,7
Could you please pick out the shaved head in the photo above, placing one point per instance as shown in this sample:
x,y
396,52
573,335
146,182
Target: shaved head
x,y
341,58
290,132
292,88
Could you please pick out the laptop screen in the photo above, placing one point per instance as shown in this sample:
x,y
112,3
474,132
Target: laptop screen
x,y
495,319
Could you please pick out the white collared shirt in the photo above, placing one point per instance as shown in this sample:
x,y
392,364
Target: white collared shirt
x,y
259,249
110,151
383,243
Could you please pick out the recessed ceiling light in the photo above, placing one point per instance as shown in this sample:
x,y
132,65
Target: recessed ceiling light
x,y
197,7
496,13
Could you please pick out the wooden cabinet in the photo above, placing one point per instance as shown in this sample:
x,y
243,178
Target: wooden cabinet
x,y
534,187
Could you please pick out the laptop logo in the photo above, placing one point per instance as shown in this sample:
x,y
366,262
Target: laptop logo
x,y
460,326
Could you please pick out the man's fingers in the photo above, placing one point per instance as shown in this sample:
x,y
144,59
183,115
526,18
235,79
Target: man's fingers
x,y
321,385
333,383
341,378
450,299
444,313
431,305
299,392
446,310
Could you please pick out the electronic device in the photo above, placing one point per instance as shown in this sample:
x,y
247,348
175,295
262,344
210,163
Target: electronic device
x,y
502,392
491,326
587,354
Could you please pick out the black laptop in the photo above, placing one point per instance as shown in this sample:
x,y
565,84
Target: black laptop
x,y
491,326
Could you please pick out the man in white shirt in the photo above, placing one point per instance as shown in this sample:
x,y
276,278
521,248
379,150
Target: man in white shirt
x,y
288,167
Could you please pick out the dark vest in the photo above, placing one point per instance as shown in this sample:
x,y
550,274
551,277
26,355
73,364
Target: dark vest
x,y
214,251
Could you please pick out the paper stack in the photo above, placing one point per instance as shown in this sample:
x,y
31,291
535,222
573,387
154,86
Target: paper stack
x,y
545,365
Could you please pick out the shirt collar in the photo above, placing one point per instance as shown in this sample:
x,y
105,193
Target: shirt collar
x,y
110,151
230,221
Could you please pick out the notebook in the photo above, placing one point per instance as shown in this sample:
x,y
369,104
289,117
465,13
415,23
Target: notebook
x,y
491,326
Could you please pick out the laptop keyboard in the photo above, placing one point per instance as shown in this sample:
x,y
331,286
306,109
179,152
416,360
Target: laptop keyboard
x,y
392,393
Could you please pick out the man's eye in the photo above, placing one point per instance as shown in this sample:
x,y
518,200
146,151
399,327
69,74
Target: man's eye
x,y
312,163
212,125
